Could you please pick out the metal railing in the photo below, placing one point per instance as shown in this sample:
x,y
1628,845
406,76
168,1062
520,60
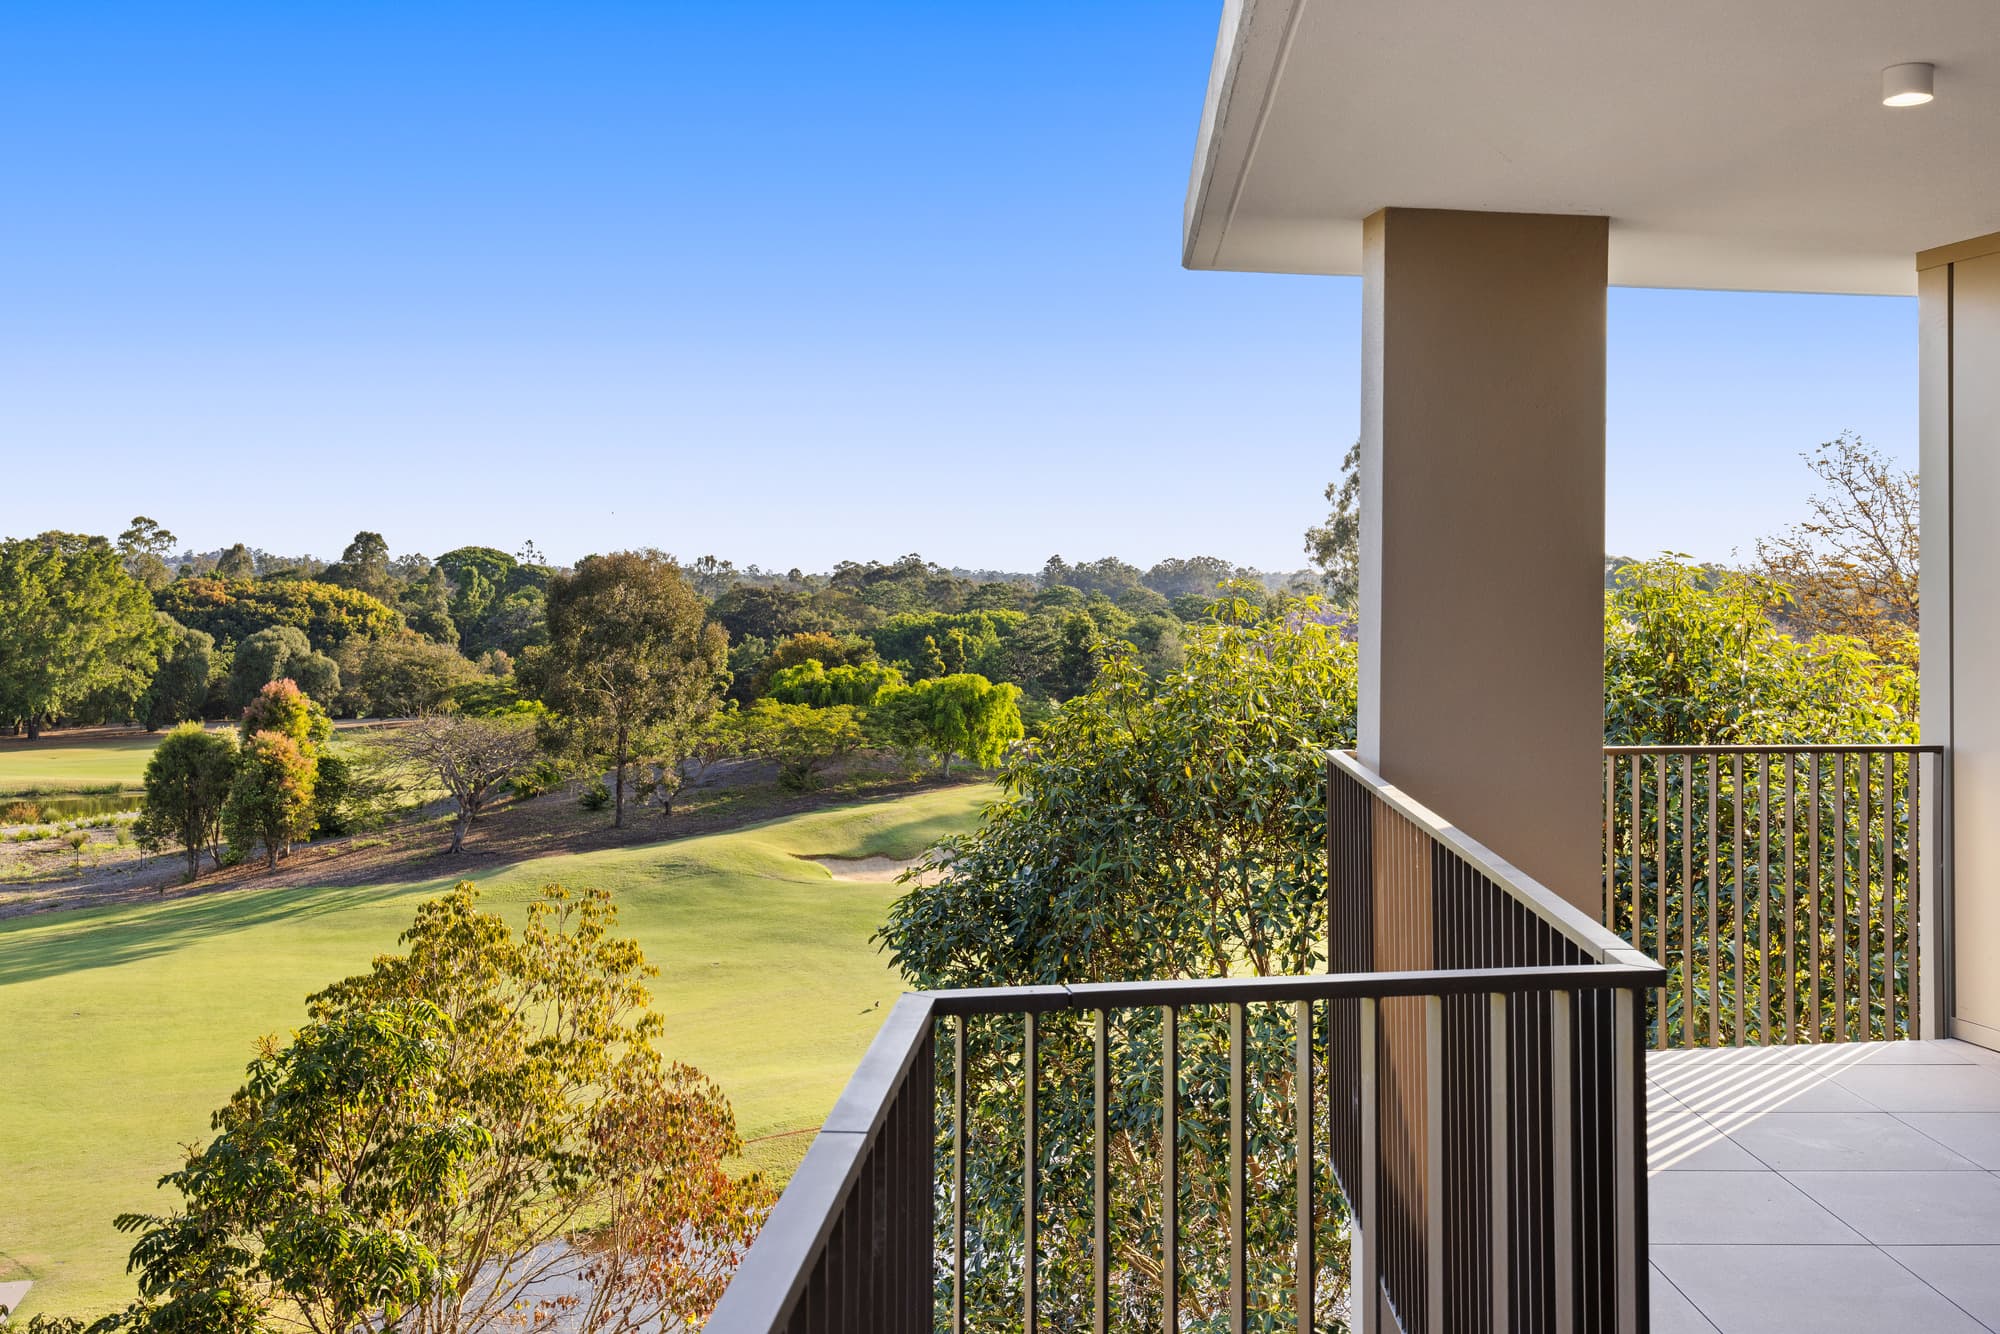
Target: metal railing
x,y
1784,888
1444,1132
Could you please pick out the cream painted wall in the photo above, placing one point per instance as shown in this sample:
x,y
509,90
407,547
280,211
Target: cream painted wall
x,y
1960,351
1482,466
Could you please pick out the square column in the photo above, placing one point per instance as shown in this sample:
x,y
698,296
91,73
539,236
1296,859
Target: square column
x,y
1482,529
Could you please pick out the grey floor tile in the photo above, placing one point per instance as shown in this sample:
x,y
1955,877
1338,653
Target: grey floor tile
x,y
1672,1312
1976,1135
1680,1141
1780,1088
1924,1088
1969,1275
1807,1290
1891,1053
1740,1208
1909,1208
1843,1142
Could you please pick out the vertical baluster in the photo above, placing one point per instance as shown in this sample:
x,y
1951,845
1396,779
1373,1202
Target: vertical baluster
x,y
1031,1151
1562,1136
1864,981
1736,896
1365,1238
1610,840
1689,1033
1303,1262
1816,1020
1840,895
1238,1183
1890,1028
1628,1155
1660,928
1434,1241
958,1176
1763,901
1100,1216
1915,892
1790,888
1499,1144
1715,988
1170,1170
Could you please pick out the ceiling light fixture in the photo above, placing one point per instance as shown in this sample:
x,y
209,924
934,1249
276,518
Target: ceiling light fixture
x,y
1907,85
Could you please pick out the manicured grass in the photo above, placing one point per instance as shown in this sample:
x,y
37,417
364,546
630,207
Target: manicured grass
x,y
121,1029
56,764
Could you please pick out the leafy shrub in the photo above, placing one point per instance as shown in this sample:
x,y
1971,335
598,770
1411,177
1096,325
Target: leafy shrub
x,y
595,796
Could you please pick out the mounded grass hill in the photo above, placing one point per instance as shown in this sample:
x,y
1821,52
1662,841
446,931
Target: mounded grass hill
x,y
122,1028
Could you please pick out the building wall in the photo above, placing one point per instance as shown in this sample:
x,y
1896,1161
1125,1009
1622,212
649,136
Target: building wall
x,y
1959,298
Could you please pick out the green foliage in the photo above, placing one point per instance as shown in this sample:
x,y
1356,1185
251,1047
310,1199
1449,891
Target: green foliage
x,y
752,611
1158,828
144,546
1335,546
179,688
279,653
802,739
595,796
76,631
402,676
271,799
1690,664
234,609
282,707
469,756
364,567
426,607
811,683
939,643
632,665
962,714
187,781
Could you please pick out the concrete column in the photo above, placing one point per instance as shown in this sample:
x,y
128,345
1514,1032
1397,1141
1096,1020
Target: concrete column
x,y
1958,295
1482,531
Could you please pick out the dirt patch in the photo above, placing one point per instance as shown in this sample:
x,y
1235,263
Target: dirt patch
x,y
872,870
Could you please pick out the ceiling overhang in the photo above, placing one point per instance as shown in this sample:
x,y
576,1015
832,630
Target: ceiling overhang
x,y
1736,144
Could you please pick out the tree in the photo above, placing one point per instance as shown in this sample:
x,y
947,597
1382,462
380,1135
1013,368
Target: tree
x,y
426,605
364,566
279,653
178,691
285,707
1158,828
402,676
800,738
1335,546
1198,575
187,782
477,1123
233,610
632,662
963,714
236,563
145,546
469,756
1852,567
1688,664
811,683
271,798
74,628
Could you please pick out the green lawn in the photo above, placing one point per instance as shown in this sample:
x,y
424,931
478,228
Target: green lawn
x,y
120,1029
54,764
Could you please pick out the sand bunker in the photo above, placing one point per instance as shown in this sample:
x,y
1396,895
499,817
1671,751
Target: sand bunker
x,y
873,870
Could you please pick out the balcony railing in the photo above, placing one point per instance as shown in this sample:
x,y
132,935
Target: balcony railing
x,y
1784,888
1445,1132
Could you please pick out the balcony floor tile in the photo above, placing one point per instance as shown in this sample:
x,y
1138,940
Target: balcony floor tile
x,y
1976,1135
1968,1275
1786,1289
1843,1142
1744,1208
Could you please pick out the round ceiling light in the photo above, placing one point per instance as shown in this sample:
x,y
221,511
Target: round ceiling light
x,y
1907,85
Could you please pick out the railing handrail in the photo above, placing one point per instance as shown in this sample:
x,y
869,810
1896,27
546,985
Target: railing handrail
x,y
1584,930
1779,748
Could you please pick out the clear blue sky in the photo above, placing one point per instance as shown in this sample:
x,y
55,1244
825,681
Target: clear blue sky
x,y
785,283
